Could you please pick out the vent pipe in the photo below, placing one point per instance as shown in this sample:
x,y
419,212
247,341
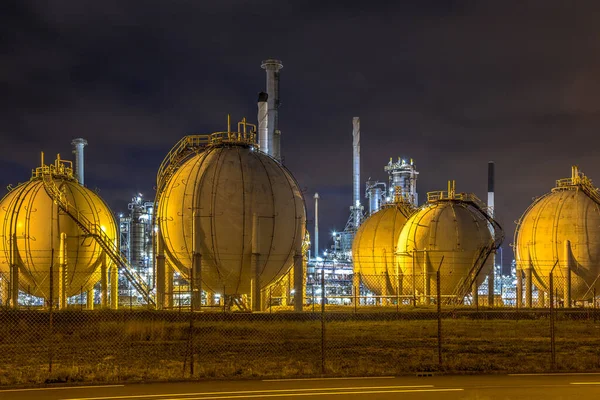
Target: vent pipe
x,y
263,123
316,252
272,67
78,145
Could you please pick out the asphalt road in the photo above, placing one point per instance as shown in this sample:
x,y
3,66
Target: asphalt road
x,y
531,387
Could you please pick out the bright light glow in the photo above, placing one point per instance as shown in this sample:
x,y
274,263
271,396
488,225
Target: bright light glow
x,y
388,198
156,229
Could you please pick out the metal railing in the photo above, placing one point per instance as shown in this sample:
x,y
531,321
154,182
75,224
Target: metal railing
x,y
96,231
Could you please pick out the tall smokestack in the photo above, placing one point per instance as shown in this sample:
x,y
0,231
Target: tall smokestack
x,y
272,67
316,197
263,123
78,145
356,169
490,204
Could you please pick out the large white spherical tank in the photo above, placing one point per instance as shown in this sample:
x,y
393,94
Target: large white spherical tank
x,y
222,189
28,214
374,247
557,217
452,229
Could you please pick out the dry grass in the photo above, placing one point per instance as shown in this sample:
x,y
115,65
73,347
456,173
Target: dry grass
x,y
126,346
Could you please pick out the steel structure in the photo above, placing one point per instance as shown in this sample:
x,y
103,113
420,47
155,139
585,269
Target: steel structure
x,y
402,174
78,145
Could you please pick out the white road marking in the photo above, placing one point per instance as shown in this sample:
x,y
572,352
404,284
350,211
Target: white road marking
x,y
327,379
60,388
557,373
318,394
145,396
585,383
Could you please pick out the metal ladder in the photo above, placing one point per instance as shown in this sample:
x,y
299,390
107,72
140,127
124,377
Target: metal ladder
x,y
95,231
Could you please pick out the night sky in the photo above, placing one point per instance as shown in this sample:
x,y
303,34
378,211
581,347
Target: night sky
x,y
452,84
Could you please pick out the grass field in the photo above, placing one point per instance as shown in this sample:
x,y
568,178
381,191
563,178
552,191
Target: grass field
x,y
105,346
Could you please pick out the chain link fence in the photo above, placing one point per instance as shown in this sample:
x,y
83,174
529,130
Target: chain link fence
x,y
416,327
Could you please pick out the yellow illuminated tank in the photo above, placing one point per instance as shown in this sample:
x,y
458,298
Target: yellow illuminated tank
x,y
234,193
453,226
374,248
568,215
31,225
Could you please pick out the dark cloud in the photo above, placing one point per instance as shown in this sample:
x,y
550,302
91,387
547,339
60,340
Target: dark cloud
x,y
452,84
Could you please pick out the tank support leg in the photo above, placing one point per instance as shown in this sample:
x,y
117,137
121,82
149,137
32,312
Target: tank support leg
x,y
62,272
475,293
14,274
103,283
168,293
255,282
567,274
426,281
298,282
356,288
196,282
519,289
528,287
114,287
491,284
4,290
90,299
160,273
541,298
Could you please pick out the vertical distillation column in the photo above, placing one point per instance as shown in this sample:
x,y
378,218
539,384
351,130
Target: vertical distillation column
x,y
490,204
316,241
272,67
78,145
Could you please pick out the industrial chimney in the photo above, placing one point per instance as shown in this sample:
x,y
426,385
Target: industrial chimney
x,y
272,67
356,171
316,241
490,204
263,123
78,145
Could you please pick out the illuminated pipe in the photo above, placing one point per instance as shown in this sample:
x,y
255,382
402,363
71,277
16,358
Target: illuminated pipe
x,y
356,169
316,251
490,204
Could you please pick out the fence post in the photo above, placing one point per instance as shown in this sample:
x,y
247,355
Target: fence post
x,y
594,304
323,322
50,315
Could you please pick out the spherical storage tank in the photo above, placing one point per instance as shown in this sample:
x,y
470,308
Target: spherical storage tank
x,y
560,227
221,199
374,248
452,226
30,216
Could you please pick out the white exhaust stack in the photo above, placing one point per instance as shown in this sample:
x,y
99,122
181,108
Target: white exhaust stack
x,y
490,204
316,197
78,145
356,170
263,123
272,67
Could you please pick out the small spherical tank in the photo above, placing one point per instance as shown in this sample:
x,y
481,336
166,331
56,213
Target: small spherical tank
x,y
562,228
374,247
30,228
226,203
447,228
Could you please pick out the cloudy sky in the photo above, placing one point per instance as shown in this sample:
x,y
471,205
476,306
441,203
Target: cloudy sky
x,y
452,84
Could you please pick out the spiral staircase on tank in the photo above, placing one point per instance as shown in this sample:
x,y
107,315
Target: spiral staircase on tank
x,y
96,232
